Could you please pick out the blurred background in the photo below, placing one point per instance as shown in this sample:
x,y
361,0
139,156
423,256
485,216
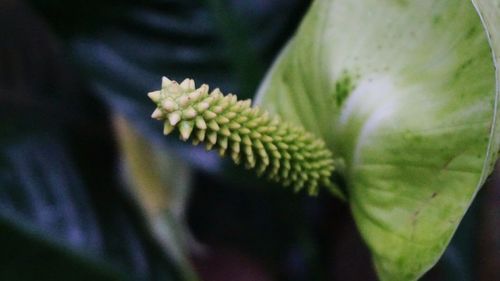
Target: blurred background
x,y
91,190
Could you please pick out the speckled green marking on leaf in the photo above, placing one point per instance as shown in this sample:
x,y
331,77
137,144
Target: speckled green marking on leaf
x,y
286,153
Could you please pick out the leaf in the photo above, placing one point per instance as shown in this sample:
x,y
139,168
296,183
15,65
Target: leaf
x,y
404,91
26,255
40,204
62,215
159,182
46,210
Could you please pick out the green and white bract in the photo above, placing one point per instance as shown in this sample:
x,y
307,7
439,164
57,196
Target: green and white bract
x,y
286,153
407,93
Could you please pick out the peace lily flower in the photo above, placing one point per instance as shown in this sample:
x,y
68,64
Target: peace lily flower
x,y
404,93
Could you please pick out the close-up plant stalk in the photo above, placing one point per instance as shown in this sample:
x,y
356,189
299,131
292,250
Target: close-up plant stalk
x,y
285,153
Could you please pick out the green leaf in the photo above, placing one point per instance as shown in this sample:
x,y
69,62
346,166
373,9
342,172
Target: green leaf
x,y
159,182
405,92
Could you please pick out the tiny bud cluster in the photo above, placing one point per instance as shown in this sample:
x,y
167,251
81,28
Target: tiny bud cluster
x,y
284,152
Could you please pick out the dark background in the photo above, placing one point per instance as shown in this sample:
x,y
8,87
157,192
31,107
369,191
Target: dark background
x,y
68,67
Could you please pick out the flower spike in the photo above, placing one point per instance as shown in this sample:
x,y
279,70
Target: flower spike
x,y
284,152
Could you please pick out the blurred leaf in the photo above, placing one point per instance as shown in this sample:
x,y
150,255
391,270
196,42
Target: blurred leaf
x,y
61,214
48,201
42,192
52,196
405,93
158,181
28,255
